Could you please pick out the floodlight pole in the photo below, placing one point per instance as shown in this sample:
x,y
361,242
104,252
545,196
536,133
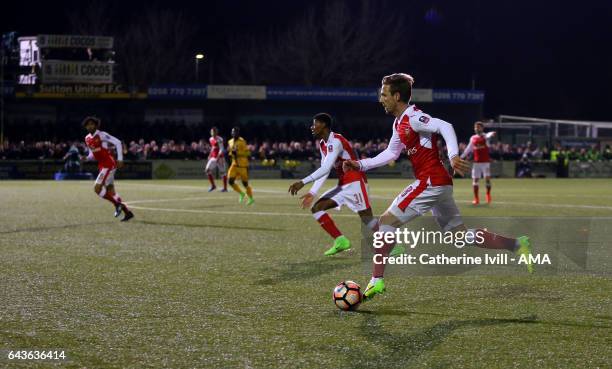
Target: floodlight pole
x,y
197,70
198,57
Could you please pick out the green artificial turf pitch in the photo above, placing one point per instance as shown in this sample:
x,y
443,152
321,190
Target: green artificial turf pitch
x,y
198,281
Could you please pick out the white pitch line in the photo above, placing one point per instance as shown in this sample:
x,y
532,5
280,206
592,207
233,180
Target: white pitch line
x,y
185,187
530,204
513,203
535,205
265,213
188,199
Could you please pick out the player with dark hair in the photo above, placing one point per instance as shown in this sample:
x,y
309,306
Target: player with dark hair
x,y
481,166
216,159
418,133
97,142
239,153
351,190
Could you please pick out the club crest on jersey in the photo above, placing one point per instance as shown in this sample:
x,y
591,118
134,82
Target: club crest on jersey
x,y
423,119
330,148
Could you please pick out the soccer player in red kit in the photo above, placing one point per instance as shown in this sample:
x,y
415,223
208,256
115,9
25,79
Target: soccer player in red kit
x,y
481,166
97,141
352,188
216,159
418,133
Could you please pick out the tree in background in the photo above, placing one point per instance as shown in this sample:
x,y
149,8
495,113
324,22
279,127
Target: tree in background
x,y
155,47
336,45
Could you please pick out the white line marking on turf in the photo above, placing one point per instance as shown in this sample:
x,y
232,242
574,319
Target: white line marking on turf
x,y
533,204
200,211
281,191
513,203
185,187
188,199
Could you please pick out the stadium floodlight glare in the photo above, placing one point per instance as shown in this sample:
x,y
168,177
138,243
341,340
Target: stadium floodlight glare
x,y
199,56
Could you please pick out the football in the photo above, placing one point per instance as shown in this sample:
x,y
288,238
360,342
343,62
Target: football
x,y
347,295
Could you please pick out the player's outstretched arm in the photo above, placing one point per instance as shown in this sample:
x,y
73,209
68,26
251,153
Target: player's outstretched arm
x,y
295,187
443,128
333,150
391,153
460,166
348,165
446,130
468,150
307,200
115,142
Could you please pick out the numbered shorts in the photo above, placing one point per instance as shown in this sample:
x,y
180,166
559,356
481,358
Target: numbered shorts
x,y
353,195
238,172
214,163
420,197
481,170
106,176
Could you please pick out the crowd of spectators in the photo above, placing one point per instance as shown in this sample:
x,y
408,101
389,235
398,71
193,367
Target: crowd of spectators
x,y
195,150
292,150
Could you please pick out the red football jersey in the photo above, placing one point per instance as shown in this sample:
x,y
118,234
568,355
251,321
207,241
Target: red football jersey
x,y
336,141
423,154
480,147
97,143
216,147
418,133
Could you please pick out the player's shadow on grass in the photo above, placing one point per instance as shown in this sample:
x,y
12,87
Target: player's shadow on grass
x,y
305,270
191,225
400,350
51,228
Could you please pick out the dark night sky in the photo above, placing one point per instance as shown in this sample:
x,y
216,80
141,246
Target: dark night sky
x,y
539,58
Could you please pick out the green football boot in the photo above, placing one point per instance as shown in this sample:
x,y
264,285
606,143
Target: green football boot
x,y
250,201
397,250
526,250
373,289
340,244
241,198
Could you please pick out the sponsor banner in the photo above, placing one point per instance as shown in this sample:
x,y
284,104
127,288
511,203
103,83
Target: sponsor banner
x,y
194,169
54,71
338,94
74,41
236,92
80,90
46,169
422,95
49,95
183,169
231,92
322,93
177,92
584,169
458,96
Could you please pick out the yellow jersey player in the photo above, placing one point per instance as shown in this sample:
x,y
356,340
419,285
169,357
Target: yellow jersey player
x,y
239,153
